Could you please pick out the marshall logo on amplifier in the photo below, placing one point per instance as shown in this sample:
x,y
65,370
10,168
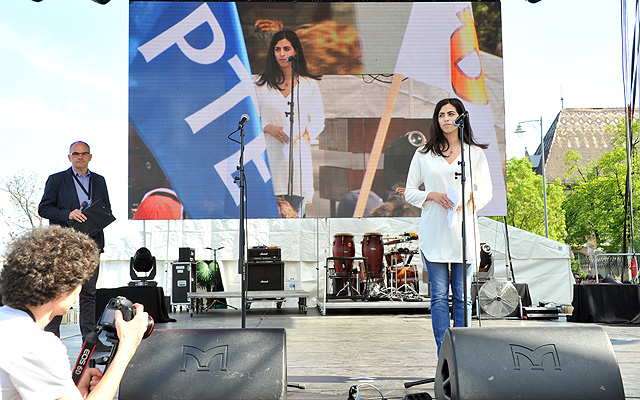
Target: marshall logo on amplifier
x,y
264,254
196,364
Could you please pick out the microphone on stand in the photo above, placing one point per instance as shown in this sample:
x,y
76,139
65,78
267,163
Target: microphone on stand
x,y
291,59
456,122
243,121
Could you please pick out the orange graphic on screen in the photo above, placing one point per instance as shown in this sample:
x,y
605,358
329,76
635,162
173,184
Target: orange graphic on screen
x,y
467,78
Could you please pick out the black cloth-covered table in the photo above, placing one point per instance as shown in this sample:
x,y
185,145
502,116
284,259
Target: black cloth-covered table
x,y
151,297
606,302
523,292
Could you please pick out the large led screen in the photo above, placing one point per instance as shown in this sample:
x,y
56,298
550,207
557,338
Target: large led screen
x,y
371,74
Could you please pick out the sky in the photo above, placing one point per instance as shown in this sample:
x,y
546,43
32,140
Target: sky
x,y
63,77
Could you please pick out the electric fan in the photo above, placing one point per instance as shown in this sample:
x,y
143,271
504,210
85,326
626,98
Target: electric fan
x,y
498,298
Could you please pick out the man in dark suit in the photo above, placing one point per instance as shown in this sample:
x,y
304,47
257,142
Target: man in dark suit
x,y
66,194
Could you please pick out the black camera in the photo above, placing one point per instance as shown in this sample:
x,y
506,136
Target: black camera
x,y
108,319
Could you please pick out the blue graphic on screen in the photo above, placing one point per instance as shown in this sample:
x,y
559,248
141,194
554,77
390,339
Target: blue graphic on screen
x,y
190,83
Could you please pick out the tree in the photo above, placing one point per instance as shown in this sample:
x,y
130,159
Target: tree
x,y
24,192
595,207
525,208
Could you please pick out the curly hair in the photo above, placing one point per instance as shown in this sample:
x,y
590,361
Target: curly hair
x,y
44,263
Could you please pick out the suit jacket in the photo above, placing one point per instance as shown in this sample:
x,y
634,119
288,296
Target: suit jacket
x,y
60,198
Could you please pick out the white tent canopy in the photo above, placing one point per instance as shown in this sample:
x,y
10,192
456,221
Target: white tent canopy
x,y
306,243
543,264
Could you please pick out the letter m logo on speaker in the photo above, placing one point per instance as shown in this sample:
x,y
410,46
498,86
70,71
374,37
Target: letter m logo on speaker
x,y
204,358
525,358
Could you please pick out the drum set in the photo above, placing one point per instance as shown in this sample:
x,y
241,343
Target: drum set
x,y
378,274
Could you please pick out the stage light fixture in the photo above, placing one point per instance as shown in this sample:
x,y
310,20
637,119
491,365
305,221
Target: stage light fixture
x,y
142,268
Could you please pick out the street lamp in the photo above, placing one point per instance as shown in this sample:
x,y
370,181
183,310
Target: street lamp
x,y
519,131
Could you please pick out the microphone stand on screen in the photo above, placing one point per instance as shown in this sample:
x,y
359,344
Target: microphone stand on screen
x,y
292,60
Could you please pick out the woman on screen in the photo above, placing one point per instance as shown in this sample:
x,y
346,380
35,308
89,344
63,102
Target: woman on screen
x,y
274,90
435,166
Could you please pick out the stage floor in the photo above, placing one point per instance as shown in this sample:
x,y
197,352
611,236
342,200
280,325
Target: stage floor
x,y
331,353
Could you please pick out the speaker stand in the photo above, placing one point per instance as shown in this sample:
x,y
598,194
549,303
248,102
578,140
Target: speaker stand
x,y
407,385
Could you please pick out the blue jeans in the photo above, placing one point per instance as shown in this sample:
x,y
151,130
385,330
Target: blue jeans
x,y
439,280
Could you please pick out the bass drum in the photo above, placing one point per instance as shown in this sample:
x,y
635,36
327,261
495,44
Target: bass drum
x,y
343,247
373,249
394,258
399,276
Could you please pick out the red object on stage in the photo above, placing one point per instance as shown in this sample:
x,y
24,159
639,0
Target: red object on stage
x,y
633,267
343,247
402,275
373,249
159,204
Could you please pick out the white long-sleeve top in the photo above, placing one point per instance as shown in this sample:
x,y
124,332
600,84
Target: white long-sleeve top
x,y
438,242
309,117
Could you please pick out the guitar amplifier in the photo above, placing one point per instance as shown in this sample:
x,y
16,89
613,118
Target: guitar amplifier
x,y
264,254
186,254
265,276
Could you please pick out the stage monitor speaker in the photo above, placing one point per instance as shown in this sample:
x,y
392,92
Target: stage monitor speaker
x,y
527,363
196,364
265,276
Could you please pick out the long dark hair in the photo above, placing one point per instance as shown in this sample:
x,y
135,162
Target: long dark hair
x,y
272,74
437,141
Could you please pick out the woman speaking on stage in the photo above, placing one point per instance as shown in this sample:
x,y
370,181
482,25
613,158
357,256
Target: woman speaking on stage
x,y
274,90
436,166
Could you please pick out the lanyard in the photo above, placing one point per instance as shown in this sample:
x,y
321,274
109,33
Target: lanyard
x,y
88,193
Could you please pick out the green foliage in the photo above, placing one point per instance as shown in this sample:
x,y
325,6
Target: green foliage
x,y
488,21
525,209
207,275
576,268
595,208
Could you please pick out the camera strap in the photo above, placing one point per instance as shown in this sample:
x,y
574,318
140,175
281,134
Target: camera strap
x,y
85,355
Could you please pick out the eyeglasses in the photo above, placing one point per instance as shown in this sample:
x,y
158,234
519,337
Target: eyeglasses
x,y
84,153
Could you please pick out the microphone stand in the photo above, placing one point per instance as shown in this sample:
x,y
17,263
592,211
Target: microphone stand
x,y
242,266
290,114
463,178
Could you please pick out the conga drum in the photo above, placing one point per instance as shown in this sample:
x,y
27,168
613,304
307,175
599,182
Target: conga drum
x,y
343,247
373,249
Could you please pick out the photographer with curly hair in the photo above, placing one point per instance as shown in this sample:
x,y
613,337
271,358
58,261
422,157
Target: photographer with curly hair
x,y
42,276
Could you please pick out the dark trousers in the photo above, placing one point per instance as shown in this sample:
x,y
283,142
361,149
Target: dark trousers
x,y
87,309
